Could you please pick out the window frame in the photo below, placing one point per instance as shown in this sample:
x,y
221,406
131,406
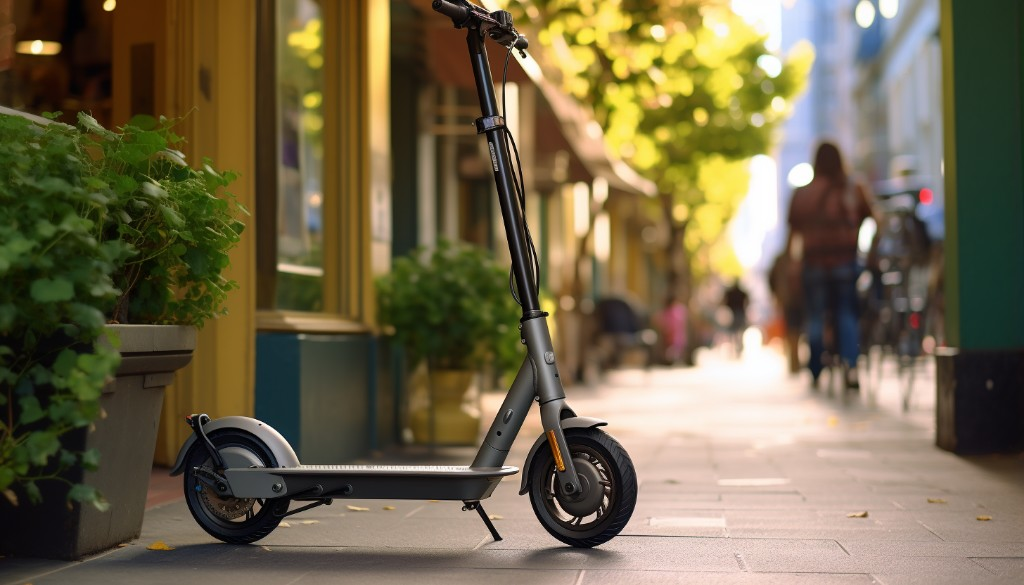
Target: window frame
x,y
347,282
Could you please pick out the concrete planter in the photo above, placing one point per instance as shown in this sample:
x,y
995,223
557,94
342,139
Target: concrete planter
x,y
125,438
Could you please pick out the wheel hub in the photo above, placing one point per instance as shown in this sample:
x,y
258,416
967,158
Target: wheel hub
x,y
590,496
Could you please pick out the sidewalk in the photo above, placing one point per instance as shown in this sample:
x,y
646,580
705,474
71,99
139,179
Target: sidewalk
x,y
746,477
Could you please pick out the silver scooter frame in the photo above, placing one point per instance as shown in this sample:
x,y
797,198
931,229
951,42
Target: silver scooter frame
x,y
537,380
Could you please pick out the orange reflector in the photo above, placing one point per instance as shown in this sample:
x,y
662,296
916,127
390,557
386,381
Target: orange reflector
x,y
555,452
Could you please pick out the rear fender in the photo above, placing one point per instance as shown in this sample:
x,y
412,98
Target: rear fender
x,y
274,441
576,422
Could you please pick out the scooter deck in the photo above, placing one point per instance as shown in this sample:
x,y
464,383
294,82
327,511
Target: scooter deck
x,y
398,482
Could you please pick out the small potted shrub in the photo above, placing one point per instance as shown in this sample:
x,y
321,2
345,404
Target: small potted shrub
x,y
112,251
452,311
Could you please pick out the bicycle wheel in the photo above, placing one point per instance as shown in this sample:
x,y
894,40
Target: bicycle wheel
x,y
609,490
230,519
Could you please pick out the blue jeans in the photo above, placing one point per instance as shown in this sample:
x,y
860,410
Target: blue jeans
x,y
832,293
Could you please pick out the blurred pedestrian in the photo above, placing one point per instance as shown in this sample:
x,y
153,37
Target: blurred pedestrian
x,y
672,325
736,300
784,280
824,220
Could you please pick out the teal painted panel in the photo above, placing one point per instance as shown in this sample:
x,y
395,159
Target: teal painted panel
x,y
989,211
277,379
335,395
316,391
389,398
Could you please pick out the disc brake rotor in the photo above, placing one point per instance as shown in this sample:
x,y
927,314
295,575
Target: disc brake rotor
x,y
228,508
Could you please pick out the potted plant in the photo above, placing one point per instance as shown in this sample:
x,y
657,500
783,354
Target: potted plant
x,y
451,310
112,251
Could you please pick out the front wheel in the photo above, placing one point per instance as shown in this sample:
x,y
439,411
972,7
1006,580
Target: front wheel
x,y
608,483
232,520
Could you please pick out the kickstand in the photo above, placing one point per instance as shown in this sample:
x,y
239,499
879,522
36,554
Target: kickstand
x,y
483,516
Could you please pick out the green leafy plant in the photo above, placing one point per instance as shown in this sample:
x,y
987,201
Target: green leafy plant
x,y
452,307
172,218
56,270
96,226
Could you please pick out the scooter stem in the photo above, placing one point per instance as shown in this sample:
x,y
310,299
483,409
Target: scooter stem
x,y
539,374
493,126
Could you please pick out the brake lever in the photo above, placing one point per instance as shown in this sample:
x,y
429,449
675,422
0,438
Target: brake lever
x,y
497,25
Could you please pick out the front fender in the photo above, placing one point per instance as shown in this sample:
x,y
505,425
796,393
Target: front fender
x,y
274,441
575,422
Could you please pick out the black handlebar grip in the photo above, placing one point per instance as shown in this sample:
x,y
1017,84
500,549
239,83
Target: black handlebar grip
x,y
453,11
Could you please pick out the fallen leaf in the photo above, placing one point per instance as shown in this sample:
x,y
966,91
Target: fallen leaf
x,y
936,501
672,481
495,516
308,522
984,518
857,514
357,509
159,545
389,507
122,545
285,525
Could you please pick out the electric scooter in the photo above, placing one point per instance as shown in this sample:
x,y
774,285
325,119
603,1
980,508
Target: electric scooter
x,y
241,476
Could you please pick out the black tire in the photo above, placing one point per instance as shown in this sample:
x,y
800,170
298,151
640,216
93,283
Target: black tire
x,y
601,463
232,520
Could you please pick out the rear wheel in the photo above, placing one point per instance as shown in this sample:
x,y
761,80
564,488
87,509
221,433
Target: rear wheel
x,y
608,483
230,519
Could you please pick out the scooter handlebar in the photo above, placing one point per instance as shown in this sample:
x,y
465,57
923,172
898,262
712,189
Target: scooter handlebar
x,y
498,25
455,12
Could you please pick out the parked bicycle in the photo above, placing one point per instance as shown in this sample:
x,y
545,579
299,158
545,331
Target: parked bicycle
x,y
895,303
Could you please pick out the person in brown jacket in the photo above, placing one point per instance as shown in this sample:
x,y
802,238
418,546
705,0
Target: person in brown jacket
x,y
824,222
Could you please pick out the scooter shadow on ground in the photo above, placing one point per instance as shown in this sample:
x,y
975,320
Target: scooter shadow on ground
x,y
328,557
561,553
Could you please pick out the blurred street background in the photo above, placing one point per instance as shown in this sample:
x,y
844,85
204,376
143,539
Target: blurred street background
x,y
661,142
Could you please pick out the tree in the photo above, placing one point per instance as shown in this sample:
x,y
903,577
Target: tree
x,y
686,93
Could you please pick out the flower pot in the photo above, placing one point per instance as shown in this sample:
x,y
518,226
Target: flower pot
x,y
125,438
445,417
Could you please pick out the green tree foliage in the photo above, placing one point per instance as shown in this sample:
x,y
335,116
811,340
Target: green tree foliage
x,y
685,91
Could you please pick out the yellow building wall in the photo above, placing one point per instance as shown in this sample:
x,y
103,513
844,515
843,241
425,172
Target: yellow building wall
x,y
204,73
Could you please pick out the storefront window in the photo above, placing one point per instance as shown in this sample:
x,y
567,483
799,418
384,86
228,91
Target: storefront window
x,y
300,124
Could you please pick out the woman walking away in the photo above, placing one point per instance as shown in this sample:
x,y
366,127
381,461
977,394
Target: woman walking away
x,y
824,221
